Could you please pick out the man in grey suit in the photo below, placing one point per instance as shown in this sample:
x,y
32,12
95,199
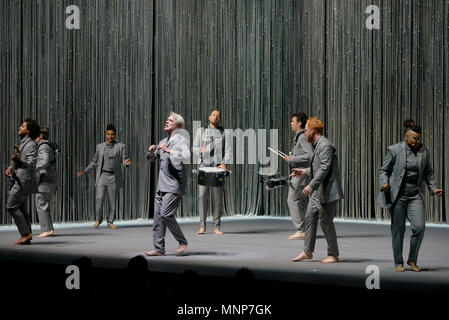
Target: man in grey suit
x,y
299,158
214,148
405,169
22,172
324,190
171,153
46,181
109,159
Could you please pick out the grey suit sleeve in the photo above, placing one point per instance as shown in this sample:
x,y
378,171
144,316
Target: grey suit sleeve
x,y
303,159
325,156
124,155
428,177
154,156
227,159
93,165
29,161
43,159
387,167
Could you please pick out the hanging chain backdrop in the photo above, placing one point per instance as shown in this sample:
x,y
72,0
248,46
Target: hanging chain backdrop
x,y
131,62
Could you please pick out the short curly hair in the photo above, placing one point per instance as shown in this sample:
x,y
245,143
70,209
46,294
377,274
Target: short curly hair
x,y
316,124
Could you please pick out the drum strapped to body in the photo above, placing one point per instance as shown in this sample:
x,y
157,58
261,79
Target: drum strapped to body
x,y
211,176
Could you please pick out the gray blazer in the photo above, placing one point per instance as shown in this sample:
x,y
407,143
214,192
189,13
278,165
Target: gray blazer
x,y
218,145
301,151
28,155
393,172
46,177
121,156
324,171
171,165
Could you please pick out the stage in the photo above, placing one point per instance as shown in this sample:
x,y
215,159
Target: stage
x,y
254,249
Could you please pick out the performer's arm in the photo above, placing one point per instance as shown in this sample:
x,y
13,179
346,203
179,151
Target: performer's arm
x,y
303,159
325,166
386,169
126,161
153,153
227,159
43,159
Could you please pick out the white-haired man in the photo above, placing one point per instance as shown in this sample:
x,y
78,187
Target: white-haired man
x,y
171,152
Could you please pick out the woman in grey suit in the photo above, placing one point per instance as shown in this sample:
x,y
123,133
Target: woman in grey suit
x,y
401,178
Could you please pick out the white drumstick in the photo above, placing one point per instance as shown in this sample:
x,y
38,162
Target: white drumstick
x,y
278,153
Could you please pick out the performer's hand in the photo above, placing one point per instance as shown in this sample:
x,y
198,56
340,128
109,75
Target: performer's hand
x,y
306,191
152,149
222,166
385,187
287,158
8,173
164,147
438,192
203,148
128,162
297,172
81,173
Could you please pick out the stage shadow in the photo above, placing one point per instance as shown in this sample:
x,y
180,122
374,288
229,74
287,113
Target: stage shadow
x,y
76,235
350,260
277,231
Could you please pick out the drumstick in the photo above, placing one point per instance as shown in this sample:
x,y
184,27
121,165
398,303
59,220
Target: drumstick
x,y
279,153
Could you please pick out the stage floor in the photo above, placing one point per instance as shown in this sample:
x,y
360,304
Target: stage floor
x,y
258,243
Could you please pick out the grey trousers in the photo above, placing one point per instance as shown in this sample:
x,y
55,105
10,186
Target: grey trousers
x,y
297,204
412,208
16,205
43,210
325,212
101,190
203,204
165,206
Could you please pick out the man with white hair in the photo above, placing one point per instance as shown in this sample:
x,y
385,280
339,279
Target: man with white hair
x,y
171,152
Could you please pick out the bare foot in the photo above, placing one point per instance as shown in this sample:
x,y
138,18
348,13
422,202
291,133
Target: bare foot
x,y
303,256
414,266
330,259
399,269
50,233
181,248
153,253
43,234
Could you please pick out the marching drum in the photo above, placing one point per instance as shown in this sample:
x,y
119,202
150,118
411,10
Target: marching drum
x,y
211,176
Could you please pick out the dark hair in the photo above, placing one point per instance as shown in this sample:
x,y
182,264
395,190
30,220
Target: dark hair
x,y
409,124
33,128
111,127
300,117
45,132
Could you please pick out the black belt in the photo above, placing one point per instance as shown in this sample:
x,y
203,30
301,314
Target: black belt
x,y
111,172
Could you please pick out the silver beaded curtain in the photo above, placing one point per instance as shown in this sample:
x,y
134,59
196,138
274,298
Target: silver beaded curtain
x,y
133,61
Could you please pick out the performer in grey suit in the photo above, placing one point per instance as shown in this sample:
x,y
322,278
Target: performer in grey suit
x,y
25,163
171,153
325,189
299,158
46,181
401,178
214,148
109,158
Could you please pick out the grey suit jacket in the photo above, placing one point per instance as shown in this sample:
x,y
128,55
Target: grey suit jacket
x,y
218,145
46,177
171,177
301,152
393,173
324,171
28,154
120,156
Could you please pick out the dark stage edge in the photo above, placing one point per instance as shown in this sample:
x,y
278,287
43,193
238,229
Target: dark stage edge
x,y
252,260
